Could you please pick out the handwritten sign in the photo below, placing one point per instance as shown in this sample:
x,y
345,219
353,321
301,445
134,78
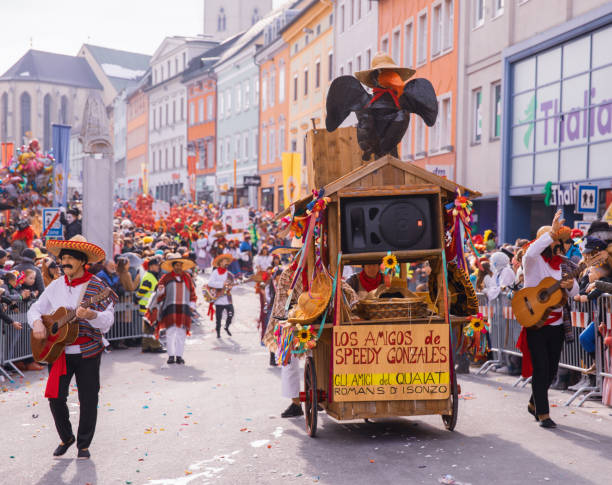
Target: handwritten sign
x,y
390,362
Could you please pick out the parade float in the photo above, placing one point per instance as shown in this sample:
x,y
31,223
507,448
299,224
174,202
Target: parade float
x,y
391,352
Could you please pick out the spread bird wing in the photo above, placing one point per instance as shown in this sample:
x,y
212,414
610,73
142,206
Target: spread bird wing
x,y
419,97
345,94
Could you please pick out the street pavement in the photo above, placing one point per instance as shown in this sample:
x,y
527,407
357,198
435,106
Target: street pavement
x,y
216,420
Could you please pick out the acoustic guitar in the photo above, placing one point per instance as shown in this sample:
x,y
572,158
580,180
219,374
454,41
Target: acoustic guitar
x,y
62,330
532,306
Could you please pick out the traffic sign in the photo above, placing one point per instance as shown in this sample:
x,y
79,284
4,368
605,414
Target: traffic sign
x,y
588,198
51,223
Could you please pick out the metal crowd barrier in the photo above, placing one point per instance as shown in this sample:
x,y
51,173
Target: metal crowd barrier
x,y
505,329
15,344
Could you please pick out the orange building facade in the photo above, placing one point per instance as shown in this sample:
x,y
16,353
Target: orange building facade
x,y
137,142
201,132
423,35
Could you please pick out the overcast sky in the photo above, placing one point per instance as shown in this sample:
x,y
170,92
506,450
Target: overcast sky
x,y
63,25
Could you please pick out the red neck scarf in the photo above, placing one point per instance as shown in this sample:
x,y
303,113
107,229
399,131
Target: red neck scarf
x,y
554,262
221,270
368,283
378,92
78,281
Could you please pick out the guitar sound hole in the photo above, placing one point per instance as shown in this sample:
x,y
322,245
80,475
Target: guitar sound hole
x,y
54,328
543,296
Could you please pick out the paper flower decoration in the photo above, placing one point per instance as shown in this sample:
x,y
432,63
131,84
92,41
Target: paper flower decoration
x,y
389,263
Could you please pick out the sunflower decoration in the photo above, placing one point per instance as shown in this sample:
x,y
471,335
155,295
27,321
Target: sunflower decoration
x,y
389,263
304,338
474,341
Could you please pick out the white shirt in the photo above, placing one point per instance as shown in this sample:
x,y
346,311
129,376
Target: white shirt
x,y
218,281
262,262
59,294
499,281
536,269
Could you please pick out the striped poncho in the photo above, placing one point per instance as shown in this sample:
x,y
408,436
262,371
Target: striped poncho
x,y
176,296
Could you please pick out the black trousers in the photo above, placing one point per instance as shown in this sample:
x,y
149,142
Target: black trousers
x,y
87,373
219,315
545,346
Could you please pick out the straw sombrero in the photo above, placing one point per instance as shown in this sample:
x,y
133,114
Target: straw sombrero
x,y
311,304
176,258
77,243
383,61
221,257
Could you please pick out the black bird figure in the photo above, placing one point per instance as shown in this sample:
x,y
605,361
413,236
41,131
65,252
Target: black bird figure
x,y
384,115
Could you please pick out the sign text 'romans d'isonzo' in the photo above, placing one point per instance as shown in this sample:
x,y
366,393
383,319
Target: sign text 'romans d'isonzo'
x,y
386,362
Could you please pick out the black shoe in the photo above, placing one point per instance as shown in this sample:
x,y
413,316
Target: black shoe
x,y
292,411
83,454
228,332
531,410
179,360
273,360
63,447
218,335
170,360
547,423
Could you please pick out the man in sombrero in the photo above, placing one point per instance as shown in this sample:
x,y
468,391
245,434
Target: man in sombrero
x,y
82,357
176,300
220,286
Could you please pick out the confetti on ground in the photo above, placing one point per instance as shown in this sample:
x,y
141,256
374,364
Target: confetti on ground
x,y
259,443
372,461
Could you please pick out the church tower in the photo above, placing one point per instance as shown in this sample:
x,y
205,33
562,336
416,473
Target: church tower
x,y
225,18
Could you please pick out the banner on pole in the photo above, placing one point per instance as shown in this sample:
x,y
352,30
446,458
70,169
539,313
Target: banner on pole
x,y
61,148
7,153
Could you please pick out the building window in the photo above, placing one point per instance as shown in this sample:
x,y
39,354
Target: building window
x,y
228,151
281,139
272,87
173,111
256,92
352,12
479,11
295,87
184,60
445,129
477,115
221,154
272,145
254,138
246,146
281,84
182,109
306,82
173,157
159,112
264,93
238,98
422,39
349,67
342,25
497,107
201,110
176,65
255,17
408,44
330,66
221,103
358,63
359,9
26,115
4,117
341,70
407,144
436,30
210,154
420,137
264,148
228,102
247,94
434,134
221,20
238,153
167,114
166,164
64,110
448,24
46,122
368,59
317,74
192,117
384,44
499,7
169,68
395,45
209,107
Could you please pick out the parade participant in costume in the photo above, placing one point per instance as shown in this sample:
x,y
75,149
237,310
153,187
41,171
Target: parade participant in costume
x,y
23,237
70,221
541,346
176,298
144,294
220,287
368,279
82,357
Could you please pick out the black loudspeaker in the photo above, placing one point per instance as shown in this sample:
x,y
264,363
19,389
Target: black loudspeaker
x,y
394,223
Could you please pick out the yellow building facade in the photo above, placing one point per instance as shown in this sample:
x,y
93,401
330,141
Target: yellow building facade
x,y
310,41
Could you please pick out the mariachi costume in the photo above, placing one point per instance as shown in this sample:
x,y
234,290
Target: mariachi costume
x,y
220,283
176,299
82,357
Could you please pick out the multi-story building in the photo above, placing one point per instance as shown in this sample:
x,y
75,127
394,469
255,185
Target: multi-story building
x,y
168,115
225,18
422,34
309,36
40,89
536,111
238,115
355,39
201,84
137,138
273,60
